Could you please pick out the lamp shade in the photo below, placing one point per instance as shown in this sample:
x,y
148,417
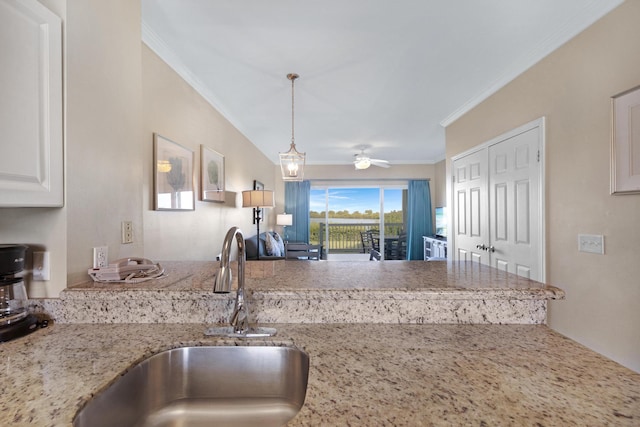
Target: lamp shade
x,y
284,219
257,199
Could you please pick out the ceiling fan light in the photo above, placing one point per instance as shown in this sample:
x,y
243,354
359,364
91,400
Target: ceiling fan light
x,y
362,163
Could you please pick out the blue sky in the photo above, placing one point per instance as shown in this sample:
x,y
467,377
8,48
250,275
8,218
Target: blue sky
x,y
356,199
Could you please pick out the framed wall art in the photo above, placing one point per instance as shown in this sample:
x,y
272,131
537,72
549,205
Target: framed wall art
x,y
211,175
173,175
625,142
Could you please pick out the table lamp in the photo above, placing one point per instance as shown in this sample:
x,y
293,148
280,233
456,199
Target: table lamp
x,y
284,219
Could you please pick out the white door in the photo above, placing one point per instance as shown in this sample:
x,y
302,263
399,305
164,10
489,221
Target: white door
x,y
470,207
514,190
498,203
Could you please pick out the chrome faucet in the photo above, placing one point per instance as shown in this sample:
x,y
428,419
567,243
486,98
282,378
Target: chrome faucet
x,y
239,320
222,282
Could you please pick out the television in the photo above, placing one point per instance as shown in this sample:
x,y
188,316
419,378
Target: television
x,y
441,222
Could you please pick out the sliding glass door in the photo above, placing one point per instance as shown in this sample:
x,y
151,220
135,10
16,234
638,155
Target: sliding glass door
x,y
354,220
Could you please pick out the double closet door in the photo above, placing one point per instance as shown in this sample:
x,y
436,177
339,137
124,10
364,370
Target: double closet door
x,y
498,194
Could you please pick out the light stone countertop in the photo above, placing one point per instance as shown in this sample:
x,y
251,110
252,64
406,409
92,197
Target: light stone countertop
x,y
389,367
360,374
344,276
315,292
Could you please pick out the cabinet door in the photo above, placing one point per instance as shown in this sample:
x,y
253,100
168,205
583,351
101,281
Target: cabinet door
x,y
31,157
440,250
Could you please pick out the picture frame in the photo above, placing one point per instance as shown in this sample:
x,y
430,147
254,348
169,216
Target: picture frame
x,y
212,174
257,185
173,175
625,142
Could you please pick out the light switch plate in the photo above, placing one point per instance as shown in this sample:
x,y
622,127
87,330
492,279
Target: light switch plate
x,y
127,232
592,243
41,266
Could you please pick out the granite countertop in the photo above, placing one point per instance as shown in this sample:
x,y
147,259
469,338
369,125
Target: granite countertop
x,y
344,276
375,358
360,375
315,292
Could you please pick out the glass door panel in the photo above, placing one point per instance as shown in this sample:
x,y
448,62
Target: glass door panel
x,y
349,220
394,230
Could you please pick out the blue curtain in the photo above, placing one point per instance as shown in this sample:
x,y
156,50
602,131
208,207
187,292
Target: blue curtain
x,y
297,197
419,222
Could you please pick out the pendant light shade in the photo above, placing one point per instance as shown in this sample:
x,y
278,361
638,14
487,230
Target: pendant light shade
x,y
292,162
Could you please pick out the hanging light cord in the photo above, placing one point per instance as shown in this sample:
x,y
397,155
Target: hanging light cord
x,y
293,78
293,141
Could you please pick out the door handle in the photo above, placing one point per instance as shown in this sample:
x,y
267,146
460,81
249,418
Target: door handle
x,y
491,249
481,247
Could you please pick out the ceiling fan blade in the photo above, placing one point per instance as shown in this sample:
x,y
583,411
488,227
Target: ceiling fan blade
x,y
380,163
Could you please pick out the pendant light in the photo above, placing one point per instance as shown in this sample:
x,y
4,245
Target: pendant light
x,y
292,162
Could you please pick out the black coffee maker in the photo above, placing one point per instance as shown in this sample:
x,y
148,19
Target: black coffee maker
x,y
15,319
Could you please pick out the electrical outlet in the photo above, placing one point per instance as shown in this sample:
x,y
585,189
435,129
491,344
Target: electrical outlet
x,y
591,243
127,232
100,256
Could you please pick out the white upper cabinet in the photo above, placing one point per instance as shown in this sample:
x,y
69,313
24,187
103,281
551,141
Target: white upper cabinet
x,y
31,152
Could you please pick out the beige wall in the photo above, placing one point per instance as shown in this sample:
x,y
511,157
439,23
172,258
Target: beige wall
x,y
174,109
104,151
572,88
440,187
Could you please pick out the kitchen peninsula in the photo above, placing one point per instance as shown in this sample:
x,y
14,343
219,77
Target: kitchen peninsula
x,y
376,373
317,292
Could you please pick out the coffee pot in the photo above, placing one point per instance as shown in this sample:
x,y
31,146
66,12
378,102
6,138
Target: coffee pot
x,y
15,318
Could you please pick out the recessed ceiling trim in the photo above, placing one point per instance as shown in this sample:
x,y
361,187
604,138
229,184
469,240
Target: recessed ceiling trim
x,y
590,13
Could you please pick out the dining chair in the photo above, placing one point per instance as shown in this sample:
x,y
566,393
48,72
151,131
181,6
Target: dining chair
x,y
366,241
375,241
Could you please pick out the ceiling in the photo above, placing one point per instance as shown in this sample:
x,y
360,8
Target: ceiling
x,y
383,75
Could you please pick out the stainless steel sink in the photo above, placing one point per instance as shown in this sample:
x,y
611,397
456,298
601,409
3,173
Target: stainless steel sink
x,y
204,386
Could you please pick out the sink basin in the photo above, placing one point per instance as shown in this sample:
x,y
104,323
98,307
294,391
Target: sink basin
x,y
204,386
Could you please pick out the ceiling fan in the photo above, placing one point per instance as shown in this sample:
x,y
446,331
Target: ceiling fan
x,y
362,161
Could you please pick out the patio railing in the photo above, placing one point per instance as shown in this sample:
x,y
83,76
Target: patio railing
x,y
345,238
